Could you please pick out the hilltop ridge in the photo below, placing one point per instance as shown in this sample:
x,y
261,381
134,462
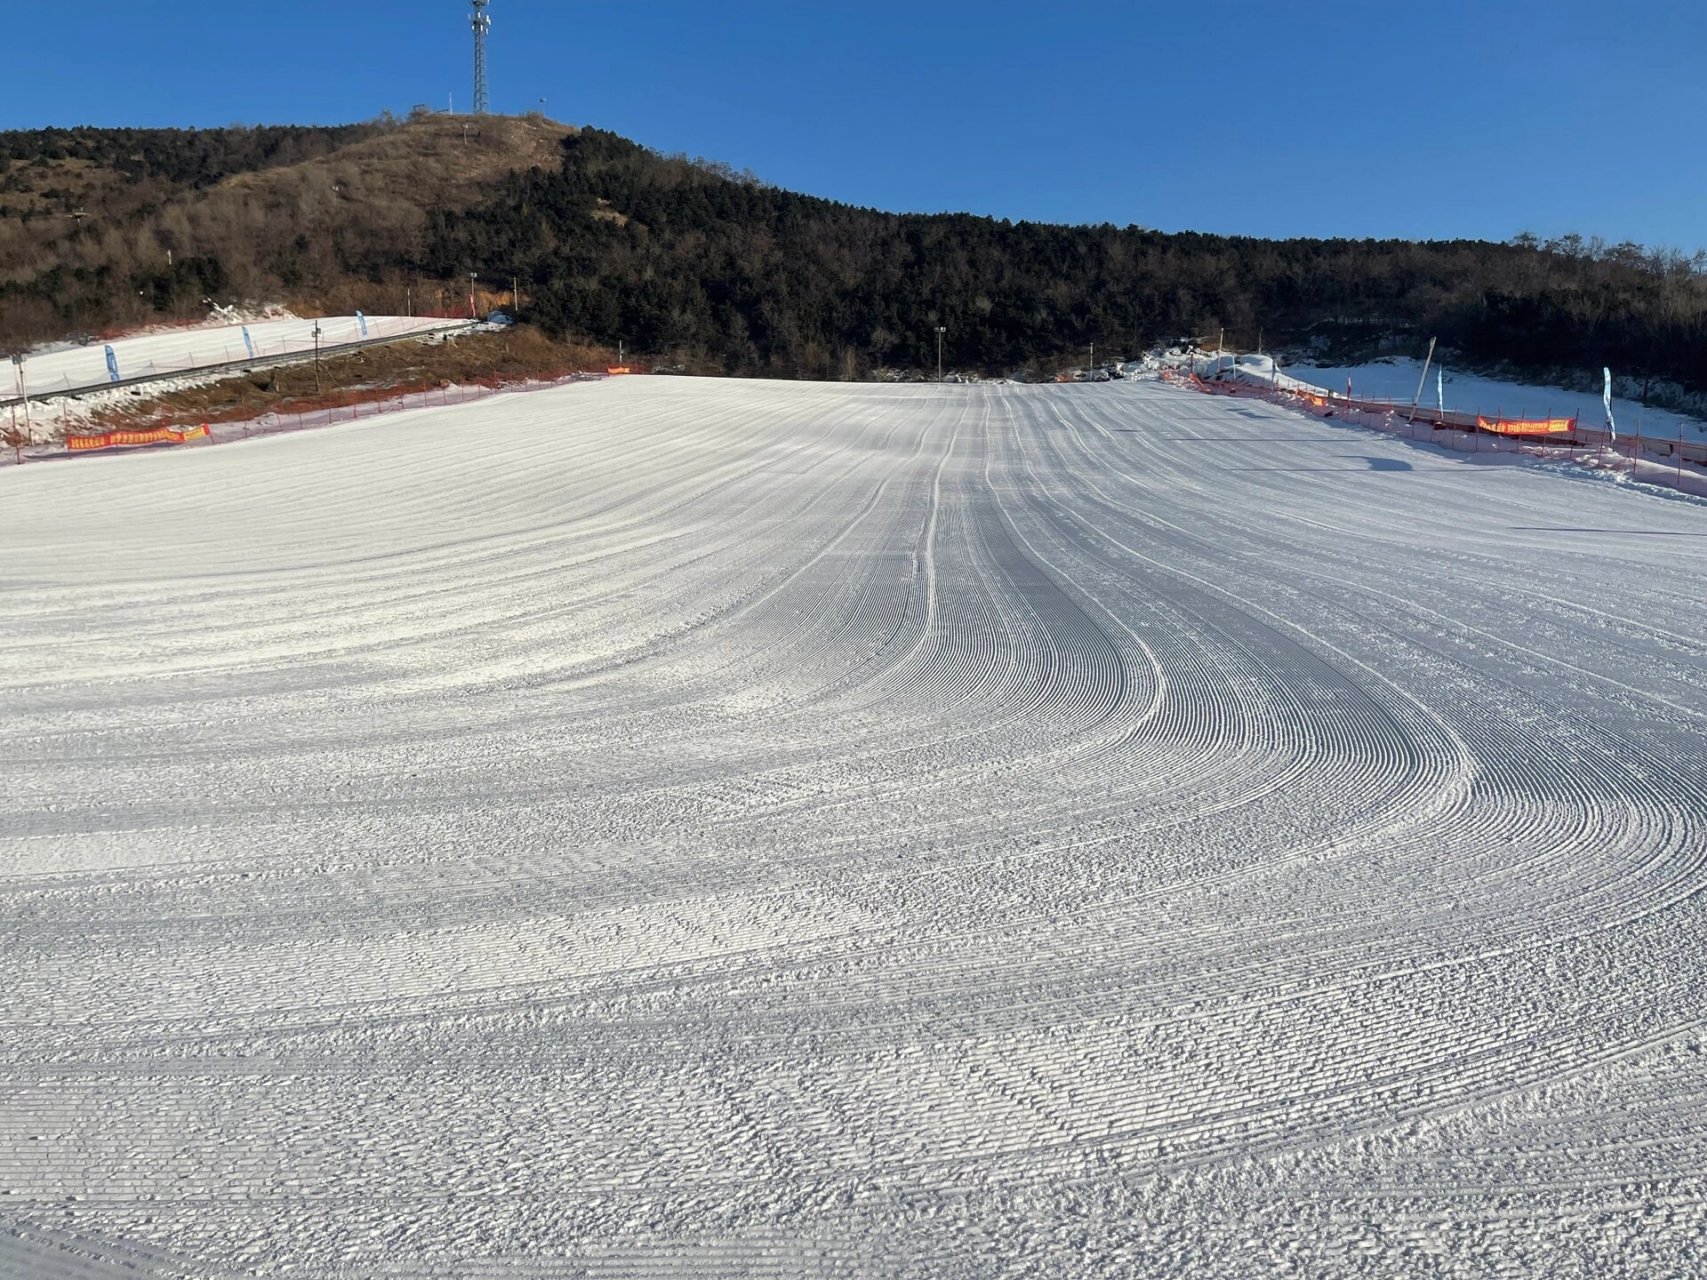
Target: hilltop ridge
x,y
105,228
706,267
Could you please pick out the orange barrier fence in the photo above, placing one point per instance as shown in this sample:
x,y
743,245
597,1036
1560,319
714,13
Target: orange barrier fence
x,y
1422,413
135,439
268,424
1661,460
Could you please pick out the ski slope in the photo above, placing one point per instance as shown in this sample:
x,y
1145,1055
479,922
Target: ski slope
x,y
714,828
184,350
1471,393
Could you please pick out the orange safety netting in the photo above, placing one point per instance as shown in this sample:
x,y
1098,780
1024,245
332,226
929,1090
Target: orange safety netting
x,y
1527,426
132,439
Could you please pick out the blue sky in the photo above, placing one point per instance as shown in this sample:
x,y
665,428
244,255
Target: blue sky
x,y
1327,117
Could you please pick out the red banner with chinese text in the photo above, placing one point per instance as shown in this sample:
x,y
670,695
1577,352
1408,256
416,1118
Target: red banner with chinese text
x,y
1527,426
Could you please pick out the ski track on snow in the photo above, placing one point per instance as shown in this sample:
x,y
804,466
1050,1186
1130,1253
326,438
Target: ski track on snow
x,y
724,828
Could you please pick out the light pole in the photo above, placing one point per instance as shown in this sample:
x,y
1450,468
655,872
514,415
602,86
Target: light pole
x,y
317,386
472,313
1093,360
940,330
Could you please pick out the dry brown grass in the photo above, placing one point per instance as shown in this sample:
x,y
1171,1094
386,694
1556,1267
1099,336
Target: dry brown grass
x,y
455,168
373,196
377,373
281,234
64,185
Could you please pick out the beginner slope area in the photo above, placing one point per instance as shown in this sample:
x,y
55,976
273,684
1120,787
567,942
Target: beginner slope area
x,y
173,351
719,828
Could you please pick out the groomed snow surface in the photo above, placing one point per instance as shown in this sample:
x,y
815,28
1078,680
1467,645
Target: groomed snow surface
x,y
717,828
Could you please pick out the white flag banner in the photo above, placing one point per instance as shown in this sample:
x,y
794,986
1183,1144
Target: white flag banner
x,y
1440,391
1606,399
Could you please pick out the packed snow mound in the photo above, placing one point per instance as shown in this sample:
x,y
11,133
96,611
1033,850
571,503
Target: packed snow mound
x,y
1257,370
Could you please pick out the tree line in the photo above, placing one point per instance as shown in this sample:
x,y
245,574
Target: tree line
x,y
179,157
683,259
695,263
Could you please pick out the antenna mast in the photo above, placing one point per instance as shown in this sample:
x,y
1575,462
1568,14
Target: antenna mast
x,y
482,23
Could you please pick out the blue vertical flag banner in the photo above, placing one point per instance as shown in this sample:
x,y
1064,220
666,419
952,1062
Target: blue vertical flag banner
x,y
362,320
248,342
1606,399
112,365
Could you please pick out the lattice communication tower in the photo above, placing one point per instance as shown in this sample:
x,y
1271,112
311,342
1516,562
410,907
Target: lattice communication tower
x,y
482,22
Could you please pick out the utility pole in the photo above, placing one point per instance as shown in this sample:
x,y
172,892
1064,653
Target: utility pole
x,y
473,314
482,23
940,330
317,386
1093,359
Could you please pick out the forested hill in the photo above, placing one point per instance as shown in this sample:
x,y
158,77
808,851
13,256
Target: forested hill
x,y
105,228
683,257
694,263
